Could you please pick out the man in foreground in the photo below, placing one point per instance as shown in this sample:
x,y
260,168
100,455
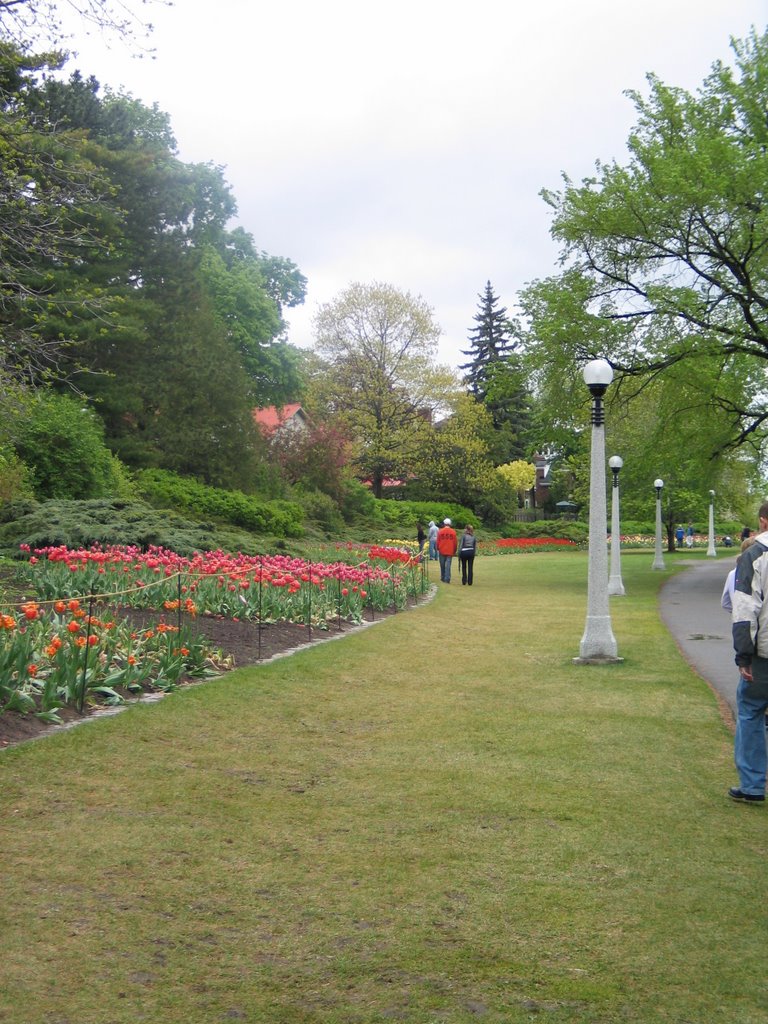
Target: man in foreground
x,y
750,641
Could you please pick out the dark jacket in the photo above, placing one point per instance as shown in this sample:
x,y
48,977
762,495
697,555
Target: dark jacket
x,y
467,545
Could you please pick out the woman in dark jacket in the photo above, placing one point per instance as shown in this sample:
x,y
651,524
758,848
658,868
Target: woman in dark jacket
x,y
467,549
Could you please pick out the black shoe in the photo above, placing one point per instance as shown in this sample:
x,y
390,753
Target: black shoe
x,y
745,798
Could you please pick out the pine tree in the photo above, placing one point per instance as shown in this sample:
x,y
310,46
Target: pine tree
x,y
489,341
495,379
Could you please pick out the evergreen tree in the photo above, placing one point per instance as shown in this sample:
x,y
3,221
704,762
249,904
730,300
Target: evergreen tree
x,y
489,342
495,378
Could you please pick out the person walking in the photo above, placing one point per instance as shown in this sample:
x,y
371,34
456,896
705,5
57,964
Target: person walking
x,y
432,540
750,642
446,548
689,536
420,538
467,551
679,534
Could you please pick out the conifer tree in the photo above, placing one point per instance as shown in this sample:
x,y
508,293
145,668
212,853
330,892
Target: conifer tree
x,y
495,378
489,342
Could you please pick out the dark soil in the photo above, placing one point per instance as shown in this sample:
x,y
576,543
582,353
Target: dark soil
x,y
241,643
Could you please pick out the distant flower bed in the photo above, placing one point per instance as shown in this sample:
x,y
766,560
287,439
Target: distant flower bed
x,y
516,544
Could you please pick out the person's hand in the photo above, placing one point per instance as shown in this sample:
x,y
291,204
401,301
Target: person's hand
x,y
746,672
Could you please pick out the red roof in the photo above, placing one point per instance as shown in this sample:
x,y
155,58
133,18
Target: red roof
x,y
270,418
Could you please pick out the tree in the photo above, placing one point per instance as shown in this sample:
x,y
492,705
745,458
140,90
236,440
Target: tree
x,y
453,463
666,258
21,19
490,342
379,344
52,200
520,476
495,378
317,457
167,259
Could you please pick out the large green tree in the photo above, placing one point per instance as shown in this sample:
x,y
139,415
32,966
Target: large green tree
x,y
161,256
379,345
666,257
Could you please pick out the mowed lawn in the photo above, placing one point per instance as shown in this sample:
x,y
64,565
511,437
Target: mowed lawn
x,y
435,819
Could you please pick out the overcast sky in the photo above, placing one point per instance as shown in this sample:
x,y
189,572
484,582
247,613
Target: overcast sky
x,y
406,142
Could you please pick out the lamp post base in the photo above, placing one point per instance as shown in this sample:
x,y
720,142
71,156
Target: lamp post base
x,y
598,645
597,660
615,587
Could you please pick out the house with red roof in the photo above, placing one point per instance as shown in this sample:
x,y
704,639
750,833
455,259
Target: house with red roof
x,y
272,418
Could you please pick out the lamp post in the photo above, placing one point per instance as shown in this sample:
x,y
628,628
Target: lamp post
x,y
598,645
658,561
615,584
711,552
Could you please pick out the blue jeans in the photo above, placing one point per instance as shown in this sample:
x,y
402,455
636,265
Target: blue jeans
x,y
445,568
749,749
432,551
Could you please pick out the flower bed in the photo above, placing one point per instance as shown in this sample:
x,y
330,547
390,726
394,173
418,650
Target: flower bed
x,y
61,648
515,545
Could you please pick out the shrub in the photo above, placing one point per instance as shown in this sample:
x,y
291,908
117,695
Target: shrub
x,y
401,517
62,445
320,509
165,489
85,523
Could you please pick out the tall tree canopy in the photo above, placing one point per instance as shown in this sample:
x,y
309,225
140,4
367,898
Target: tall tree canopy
x,y
666,258
121,277
380,345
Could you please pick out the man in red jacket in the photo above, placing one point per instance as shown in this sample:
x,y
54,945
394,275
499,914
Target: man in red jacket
x,y
446,549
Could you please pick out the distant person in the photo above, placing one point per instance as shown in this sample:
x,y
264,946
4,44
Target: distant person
x,y
432,537
745,533
750,642
421,538
467,552
679,534
447,543
689,536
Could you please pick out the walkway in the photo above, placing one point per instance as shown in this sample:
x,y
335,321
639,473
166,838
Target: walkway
x,y
689,604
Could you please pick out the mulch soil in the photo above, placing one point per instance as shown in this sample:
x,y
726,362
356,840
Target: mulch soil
x,y
241,644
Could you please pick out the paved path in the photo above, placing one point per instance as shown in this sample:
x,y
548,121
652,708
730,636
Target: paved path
x,y
689,604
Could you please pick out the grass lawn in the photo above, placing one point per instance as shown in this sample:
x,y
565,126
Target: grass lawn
x,y
436,820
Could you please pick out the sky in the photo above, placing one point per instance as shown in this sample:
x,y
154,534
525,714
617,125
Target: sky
x,y
407,142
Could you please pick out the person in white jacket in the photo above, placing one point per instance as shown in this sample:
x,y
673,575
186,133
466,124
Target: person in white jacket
x,y
750,642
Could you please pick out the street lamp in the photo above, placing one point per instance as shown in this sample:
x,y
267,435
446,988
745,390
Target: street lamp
x,y
598,644
711,552
658,561
615,584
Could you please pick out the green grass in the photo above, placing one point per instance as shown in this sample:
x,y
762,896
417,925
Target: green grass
x,y
437,819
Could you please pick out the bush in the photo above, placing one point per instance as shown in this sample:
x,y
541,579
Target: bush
x,y
85,523
164,489
402,516
320,509
631,527
62,445
358,505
